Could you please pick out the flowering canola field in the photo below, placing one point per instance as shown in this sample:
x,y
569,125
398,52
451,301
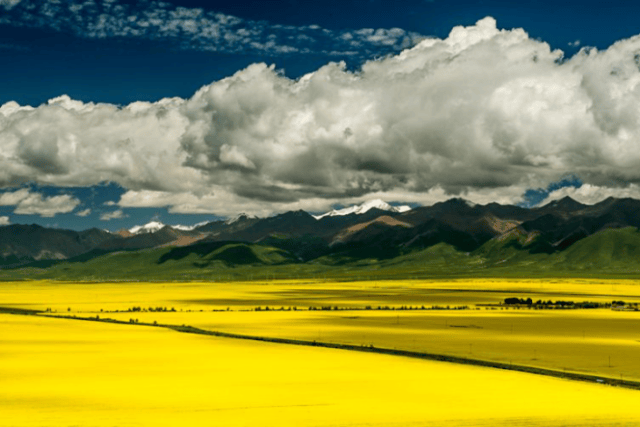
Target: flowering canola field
x,y
92,297
73,372
69,372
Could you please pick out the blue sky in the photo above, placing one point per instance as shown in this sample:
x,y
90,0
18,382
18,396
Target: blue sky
x,y
106,125
46,62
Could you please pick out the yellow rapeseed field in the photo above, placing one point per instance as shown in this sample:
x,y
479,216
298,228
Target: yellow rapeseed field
x,y
92,297
597,342
57,372
74,372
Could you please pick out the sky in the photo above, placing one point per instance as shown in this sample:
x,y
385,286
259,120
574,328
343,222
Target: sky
x,y
114,113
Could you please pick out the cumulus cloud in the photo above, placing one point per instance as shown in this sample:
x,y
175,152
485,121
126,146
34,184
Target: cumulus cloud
x,y
67,142
195,28
12,198
4,220
48,207
592,194
108,216
84,213
28,203
484,114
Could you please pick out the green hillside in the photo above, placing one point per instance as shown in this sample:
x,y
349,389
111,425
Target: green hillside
x,y
516,249
611,252
205,261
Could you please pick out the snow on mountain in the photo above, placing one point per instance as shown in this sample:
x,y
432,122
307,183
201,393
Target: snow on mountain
x,y
239,217
189,227
150,227
153,226
365,207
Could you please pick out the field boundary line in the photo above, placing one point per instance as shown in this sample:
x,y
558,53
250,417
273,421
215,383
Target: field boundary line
x,y
19,311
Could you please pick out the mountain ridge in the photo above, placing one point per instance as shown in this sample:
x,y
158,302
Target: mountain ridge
x,y
493,235
364,208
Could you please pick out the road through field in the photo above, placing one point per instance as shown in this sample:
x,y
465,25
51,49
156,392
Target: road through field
x,y
592,342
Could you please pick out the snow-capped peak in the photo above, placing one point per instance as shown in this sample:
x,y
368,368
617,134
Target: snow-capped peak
x,y
150,227
365,207
189,227
153,226
239,217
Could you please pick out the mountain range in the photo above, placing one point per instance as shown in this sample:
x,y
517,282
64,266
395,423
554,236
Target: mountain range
x,y
364,208
452,236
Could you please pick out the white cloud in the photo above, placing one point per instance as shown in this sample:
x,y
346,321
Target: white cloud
x,y
67,142
84,213
9,4
484,114
224,203
28,203
219,201
574,43
4,220
231,155
108,216
592,194
14,197
194,28
47,207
